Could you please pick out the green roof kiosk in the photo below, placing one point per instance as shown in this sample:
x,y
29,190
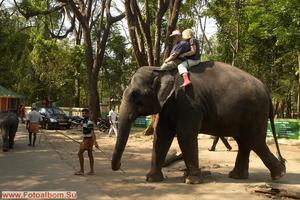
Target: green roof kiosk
x,y
9,100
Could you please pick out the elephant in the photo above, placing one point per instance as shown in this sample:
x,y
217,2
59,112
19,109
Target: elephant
x,y
9,123
222,100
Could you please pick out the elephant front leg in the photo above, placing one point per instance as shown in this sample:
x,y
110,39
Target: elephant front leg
x,y
162,141
189,146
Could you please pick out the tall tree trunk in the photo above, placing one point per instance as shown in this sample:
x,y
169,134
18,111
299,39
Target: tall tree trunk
x,y
281,109
78,34
288,106
298,102
93,95
174,8
135,34
94,56
77,92
236,43
94,106
197,10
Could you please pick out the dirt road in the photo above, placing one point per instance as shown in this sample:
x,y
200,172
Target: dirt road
x,y
51,164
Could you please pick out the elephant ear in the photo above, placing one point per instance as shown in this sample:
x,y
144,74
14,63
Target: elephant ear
x,y
164,86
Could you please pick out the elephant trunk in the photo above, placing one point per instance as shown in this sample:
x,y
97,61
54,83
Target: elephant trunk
x,y
125,120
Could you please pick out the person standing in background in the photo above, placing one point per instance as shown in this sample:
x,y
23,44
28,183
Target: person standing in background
x,y
112,116
33,124
224,140
22,113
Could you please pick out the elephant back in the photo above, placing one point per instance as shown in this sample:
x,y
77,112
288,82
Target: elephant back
x,y
220,74
8,119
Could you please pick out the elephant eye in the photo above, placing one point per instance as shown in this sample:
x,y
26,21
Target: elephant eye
x,y
135,97
135,94
138,103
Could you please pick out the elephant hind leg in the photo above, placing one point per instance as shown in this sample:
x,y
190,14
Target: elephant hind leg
x,y
277,169
11,143
5,140
240,170
11,137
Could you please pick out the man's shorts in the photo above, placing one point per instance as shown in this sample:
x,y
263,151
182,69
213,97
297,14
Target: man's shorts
x,y
34,127
87,144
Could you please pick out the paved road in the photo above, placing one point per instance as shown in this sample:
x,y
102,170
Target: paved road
x,y
41,169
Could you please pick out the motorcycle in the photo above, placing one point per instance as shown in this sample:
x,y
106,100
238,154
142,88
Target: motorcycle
x,y
76,121
103,125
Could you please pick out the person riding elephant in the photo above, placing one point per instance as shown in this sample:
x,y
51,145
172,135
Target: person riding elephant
x,y
222,101
181,46
192,57
9,123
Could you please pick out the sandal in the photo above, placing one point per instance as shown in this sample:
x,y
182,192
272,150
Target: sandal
x,y
91,173
79,173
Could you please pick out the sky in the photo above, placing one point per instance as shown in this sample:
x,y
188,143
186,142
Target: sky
x,y
211,27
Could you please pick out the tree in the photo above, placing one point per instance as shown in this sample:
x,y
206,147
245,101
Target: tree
x,y
95,18
229,16
117,67
146,25
268,43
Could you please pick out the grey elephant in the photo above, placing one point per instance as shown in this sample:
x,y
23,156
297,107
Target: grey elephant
x,y
8,125
222,101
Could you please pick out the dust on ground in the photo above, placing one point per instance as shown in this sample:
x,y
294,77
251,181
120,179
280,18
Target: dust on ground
x,y
130,182
51,165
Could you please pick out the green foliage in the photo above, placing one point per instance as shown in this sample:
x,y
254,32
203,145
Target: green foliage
x,y
38,66
269,38
117,67
14,45
30,6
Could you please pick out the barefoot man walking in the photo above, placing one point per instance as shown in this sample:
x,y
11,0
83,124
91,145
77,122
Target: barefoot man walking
x,y
89,140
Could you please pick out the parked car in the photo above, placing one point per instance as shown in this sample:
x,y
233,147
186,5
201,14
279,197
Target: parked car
x,y
54,118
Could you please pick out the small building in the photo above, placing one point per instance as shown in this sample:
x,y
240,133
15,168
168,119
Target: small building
x,y
9,100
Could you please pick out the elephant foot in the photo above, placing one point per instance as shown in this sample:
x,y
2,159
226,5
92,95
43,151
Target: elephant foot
x,y
280,172
238,174
193,179
154,177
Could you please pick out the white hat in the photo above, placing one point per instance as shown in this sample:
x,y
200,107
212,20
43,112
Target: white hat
x,y
175,32
187,34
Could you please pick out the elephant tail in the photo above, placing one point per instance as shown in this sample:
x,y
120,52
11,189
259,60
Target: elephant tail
x,y
271,116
